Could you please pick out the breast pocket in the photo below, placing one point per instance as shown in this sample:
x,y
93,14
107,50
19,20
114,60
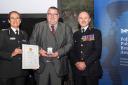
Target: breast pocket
x,y
24,41
11,41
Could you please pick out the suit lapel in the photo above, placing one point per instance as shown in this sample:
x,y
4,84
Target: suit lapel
x,y
11,32
59,34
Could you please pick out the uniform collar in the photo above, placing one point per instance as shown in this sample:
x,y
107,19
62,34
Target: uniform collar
x,y
84,28
14,29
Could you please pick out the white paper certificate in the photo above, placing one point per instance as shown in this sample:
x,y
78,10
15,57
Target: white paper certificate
x,y
30,56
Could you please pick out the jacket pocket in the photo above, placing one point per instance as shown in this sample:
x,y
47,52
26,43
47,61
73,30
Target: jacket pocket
x,y
61,66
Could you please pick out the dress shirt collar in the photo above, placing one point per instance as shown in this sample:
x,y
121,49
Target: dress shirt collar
x,y
14,29
55,27
85,28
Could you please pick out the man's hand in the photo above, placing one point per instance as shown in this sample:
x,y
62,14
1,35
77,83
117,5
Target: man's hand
x,y
43,53
80,65
55,54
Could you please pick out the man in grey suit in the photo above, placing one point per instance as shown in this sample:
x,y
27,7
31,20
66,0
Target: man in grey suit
x,y
55,40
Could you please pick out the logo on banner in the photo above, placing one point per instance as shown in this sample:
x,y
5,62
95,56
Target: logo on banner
x,y
124,31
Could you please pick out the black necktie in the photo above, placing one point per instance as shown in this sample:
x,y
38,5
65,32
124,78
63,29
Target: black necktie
x,y
18,38
82,30
16,32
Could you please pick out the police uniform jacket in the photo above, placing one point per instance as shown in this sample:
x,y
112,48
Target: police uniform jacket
x,y
87,48
11,66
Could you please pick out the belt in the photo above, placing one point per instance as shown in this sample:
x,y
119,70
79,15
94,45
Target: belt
x,y
48,61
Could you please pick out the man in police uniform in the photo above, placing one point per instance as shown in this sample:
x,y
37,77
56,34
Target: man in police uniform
x,y
86,52
10,52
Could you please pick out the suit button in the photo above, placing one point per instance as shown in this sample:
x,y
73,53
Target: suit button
x,y
81,52
81,45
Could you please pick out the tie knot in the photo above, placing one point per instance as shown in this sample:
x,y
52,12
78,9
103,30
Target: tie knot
x,y
82,30
52,28
16,32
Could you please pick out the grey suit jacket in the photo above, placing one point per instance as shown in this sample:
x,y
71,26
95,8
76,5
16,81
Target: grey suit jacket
x,y
61,41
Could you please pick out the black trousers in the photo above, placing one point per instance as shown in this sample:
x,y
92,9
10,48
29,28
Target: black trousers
x,y
13,81
83,80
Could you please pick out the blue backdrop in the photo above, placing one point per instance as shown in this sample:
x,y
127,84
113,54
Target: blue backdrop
x,y
111,17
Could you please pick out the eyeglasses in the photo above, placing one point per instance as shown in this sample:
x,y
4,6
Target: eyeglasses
x,y
50,14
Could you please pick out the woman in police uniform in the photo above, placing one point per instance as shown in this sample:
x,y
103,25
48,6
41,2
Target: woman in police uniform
x,y
11,40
